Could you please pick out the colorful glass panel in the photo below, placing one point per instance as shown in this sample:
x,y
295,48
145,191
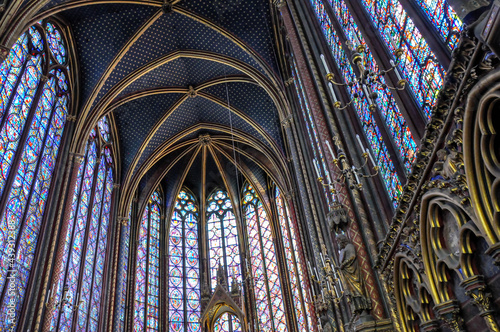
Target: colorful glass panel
x,y
419,65
378,147
444,19
86,242
263,261
311,128
122,278
147,286
24,210
103,126
222,238
184,266
294,262
394,120
56,43
140,277
17,115
74,249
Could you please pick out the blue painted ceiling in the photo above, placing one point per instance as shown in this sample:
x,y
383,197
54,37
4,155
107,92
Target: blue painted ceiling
x,y
119,41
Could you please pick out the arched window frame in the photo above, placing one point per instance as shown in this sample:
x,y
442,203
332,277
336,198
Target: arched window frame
x,y
146,316
35,137
123,273
229,210
83,278
294,257
189,290
261,241
234,269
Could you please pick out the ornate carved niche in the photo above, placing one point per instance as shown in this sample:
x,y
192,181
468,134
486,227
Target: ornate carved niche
x,y
413,300
481,146
441,221
448,237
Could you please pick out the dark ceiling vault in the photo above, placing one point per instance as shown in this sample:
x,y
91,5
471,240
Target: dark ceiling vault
x,y
168,78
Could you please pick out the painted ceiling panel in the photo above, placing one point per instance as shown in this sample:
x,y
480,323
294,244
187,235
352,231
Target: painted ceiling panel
x,y
172,32
135,119
181,72
261,108
249,20
100,32
194,111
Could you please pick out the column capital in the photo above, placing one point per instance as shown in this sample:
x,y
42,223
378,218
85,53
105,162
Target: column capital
x,y
77,157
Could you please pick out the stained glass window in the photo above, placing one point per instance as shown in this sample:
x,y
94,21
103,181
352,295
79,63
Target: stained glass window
x,y
147,283
419,65
122,277
263,265
34,99
444,19
311,129
184,266
222,324
295,263
394,120
82,276
372,132
223,240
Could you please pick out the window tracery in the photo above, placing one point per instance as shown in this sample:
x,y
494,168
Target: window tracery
x,y
294,262
147,283
310,127
372,131
263,263
86,240
223,241
184,266
34,103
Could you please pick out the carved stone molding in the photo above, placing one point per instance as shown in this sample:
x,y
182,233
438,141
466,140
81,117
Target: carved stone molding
x,y
449,312
430,326
476,289
454,91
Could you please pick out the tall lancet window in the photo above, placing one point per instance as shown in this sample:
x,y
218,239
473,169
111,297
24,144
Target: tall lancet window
x,y
294,263
147,283
264,266
121,293
367,118
87,237
34,102
184,266
223,242
312,131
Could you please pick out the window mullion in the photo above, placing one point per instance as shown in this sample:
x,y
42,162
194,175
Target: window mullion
x,y
184,271
22,142
86,236
146,285
294,258
387,138
75,216
30,195
264,266
104,187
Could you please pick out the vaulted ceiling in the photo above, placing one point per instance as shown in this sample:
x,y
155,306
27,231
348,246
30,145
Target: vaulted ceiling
x,y
171,74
